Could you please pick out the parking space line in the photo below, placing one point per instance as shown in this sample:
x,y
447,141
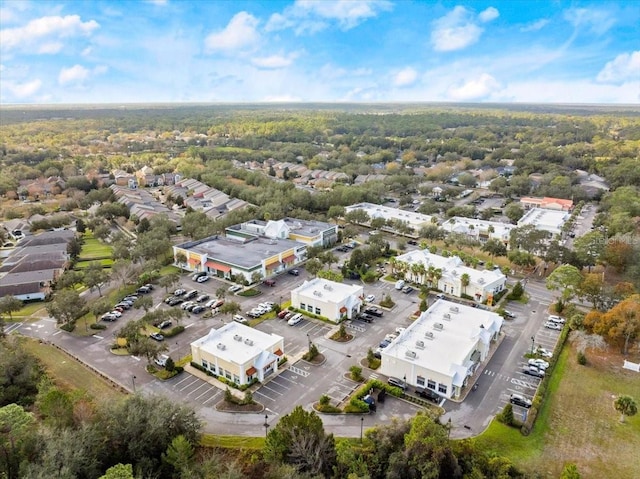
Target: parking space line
x,y
287,379
265,396
210,399
201,386
183,380
190,384
272,390
206,392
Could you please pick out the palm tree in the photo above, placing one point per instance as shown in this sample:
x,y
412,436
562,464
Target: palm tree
x,y
437,274
464,281
421,270
393,263
181,260
626,406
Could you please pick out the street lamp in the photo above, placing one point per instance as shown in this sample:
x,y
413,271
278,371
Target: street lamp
x,y
361,426
133,380
266,425
309,341
533,343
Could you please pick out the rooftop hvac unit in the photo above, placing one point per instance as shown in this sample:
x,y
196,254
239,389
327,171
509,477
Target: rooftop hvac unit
x,y
481,281
317,293
438,326
411,354
248,342
221,346
446,316
428,335
454,272
328,287
237,337
454,309
420,344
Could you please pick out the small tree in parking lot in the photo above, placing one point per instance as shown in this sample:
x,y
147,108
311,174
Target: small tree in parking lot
x,y
506,416
170,365
356,373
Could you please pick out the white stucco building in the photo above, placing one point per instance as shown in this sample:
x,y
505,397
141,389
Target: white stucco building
x,y
546,220
334,301
480,230
411,218
483,284
239,353
442,348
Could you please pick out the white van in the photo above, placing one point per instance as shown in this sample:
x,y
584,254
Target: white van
x,y
399,284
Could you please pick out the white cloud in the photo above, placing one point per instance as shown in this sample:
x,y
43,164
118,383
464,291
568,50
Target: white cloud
x,y
405,77
158,2
86,52
282,99
311,16
20,91
240,33
535,26
456,30
595,21
622,68
475,89
74,74
274,61
488,14
47,29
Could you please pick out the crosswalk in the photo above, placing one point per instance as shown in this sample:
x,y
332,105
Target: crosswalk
x,y
298,371
11,327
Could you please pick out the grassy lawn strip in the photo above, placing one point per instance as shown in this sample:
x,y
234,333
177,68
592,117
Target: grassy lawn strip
x,y
106,263
70,374
577,423
232,442
92,249
30,309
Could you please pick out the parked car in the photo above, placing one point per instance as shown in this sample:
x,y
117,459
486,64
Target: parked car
x,y
384,343
191,294
378,353
108,317
390,337
210,303
203,279
545,353
441,296
283,313
117,314
253,314
295,319
269,282
124,305
367,318
294,272
552,325
157,336
218,303
412,242
187,304
509,314
197,309
428,394
539,363
161,360
202,298
399,331
175,301
164,324
399,284
289,315
373,311
407,289
399,383
534,371
144,290
556,319
370,298
200,274
234,288
519,400
179,292
240,319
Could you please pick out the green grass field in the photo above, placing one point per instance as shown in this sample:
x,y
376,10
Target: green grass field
x,y
70,374
232,442
106,263
94,249
578,422
32,309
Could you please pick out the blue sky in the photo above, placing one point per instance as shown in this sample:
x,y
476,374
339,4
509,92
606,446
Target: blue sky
x,y
327,51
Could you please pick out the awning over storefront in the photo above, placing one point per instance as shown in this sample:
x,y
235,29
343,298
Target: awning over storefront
x,y
279,352
274,265
289,259
251,371
193,261
217,266
343,310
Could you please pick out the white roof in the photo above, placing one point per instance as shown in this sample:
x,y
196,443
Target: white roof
x,y
461,224
240,342
378,211
445,349
544,219
329,291
452,267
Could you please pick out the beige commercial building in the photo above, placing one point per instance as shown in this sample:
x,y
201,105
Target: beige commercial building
x,y
331,300
239,353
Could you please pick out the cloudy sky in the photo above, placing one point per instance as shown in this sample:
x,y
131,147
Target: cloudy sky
x,y
326,51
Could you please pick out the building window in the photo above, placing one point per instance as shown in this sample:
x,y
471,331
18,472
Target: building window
x,y
310,308
205,364
442,388
420,381
236,379
318,311
303,306
431,384
227,374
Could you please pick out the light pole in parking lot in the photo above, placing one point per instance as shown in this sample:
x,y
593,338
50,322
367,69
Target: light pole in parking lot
x,y
361,426
449,429
133,381
309,341
266,425
533,343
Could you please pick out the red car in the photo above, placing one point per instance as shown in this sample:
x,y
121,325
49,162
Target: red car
x,y
283,313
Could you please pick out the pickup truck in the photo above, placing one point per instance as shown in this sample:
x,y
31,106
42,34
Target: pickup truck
x,y
374,312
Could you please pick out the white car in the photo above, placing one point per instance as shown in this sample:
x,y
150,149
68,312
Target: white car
x,y
202,279
390,337
115,313
240,319
539,363
295,319
552,325
161,360
545,353
234,288
399,331
556,319
370,298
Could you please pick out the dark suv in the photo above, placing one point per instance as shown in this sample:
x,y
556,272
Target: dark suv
x,y
399,383
294,272
428,394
